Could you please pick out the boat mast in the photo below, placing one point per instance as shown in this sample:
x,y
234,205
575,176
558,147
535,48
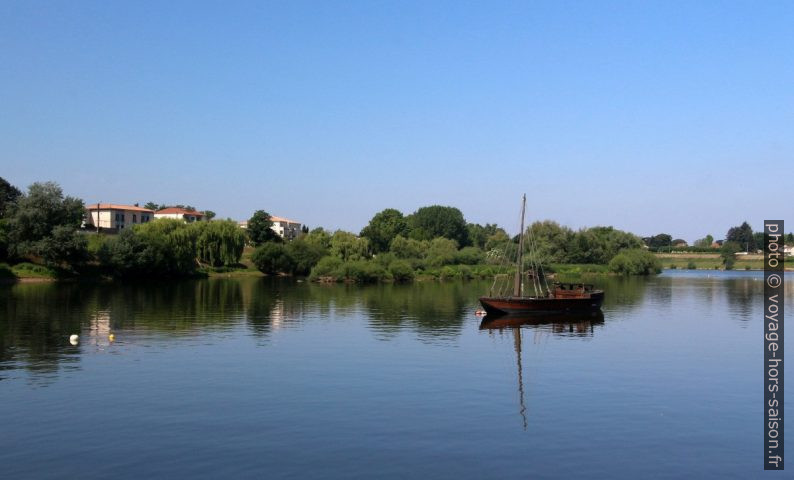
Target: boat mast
x,y
517,285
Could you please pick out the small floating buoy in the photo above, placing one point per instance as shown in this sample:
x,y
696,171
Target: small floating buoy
x,y
111,338
74,339
480,312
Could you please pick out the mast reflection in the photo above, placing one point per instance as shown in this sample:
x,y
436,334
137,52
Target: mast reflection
x,y
568,324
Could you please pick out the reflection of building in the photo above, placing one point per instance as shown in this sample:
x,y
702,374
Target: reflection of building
x,y
99,328
111,217
179,214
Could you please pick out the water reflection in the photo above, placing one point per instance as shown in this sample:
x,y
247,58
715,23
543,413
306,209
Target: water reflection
x,y
568,324
580,324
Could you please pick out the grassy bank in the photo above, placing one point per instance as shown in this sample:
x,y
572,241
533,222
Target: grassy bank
x,y
705,261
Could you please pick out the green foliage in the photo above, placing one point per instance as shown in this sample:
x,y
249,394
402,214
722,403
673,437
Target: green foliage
x,y
30,270
163,247
318,237
479,235
551,242
728,254
272,258
635,262
305,255
601,244
401,271
441,251
704,242
349,247
428,223
660,240
8,195
41,219
383,228
154,206
743,236
469,256
403,247
326,267
209,215
219,243
3,239
259,229
691,265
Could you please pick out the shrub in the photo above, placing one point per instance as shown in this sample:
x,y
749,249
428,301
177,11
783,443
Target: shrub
x,y
634,262
401,271
272,258
691,266
470,256
326,267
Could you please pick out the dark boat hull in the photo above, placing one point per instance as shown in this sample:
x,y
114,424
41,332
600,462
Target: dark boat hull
x,y
518,305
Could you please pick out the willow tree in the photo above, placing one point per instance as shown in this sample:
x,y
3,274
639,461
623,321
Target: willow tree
x,y
219,242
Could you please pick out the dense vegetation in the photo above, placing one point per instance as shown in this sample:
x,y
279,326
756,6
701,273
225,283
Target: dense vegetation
x,y
40,233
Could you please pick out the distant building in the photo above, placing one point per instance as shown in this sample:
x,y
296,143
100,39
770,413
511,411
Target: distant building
x,y
111,217
179,214
679,242
788,251
285,228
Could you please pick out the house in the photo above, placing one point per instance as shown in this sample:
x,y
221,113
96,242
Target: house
x,y
788,250
111,217
177,213
284,228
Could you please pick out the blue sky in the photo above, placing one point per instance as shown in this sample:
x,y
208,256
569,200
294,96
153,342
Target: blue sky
x,y
649,116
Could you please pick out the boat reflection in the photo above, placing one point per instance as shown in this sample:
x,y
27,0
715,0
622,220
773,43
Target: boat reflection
x,y
579,324
575,324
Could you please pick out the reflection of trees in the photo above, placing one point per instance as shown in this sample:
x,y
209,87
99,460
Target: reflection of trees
x,y
433,309
38,318
36,323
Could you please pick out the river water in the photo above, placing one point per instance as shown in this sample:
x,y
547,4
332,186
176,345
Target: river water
x,y
275,378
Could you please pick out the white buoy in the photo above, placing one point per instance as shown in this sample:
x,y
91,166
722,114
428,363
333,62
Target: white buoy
x,y
74,339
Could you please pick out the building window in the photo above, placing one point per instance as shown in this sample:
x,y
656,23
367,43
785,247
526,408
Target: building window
x,y
134,220
117,217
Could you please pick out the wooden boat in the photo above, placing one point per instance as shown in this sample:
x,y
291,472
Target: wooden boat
x,y
560,297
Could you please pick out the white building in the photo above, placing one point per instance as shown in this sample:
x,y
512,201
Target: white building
x,y
788,250
110,217
179,214
284,228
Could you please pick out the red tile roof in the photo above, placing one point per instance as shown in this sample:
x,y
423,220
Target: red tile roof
x,y
282,219
181,211
114,206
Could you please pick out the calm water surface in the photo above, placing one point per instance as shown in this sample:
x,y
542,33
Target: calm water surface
x,y
278,379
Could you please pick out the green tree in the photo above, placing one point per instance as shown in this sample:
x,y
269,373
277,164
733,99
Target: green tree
x,y
434,221
600,244
209,214
8,195
479,235
272,258
259,229
163,247
383,228
635,262
743,235
347,246
319,237
659,241
304,255
154,206
32,225
404,248
442,251
728,254
704,242
219,243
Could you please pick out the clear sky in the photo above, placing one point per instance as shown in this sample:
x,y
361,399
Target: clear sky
x,y
653,117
